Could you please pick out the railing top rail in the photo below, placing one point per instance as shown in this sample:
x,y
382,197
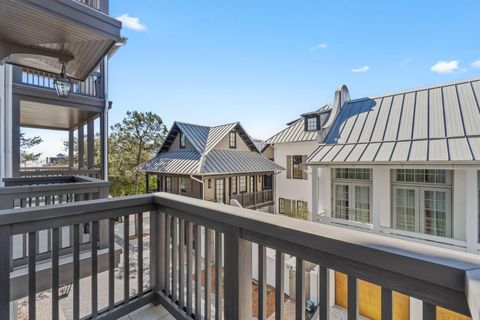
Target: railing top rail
x,y
46,184
101,208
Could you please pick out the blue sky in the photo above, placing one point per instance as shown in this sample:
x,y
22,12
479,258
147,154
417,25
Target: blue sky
x,y
265,62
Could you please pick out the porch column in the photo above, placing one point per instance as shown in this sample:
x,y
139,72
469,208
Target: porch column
x,y
380,214
472,216
81,146
15,144
2,122
103,145
70,148
90,144
315,194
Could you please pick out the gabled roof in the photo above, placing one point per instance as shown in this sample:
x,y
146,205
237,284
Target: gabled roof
x,y
295,132
204,138
205,160
435,124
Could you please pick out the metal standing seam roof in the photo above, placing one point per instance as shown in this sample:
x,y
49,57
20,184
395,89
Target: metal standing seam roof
x,y
205,159
295,132
215,162
435,124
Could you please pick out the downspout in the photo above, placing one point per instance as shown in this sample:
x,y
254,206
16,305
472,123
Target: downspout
x,y
201,182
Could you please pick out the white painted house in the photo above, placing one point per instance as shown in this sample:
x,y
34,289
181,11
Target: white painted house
x,y
404,165
290,148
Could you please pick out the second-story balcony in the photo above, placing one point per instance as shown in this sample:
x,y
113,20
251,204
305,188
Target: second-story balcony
x,y
43,35
200,260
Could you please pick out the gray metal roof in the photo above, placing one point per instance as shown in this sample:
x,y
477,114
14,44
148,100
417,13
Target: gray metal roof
x,y
204,138
175,162
215,162
436,124
205,160
236,161
295,132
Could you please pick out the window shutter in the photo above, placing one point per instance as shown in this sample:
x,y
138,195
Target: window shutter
x,y
304,170
318,123
294,206
289,167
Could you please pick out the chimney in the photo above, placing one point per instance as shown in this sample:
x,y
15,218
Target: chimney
x,y
342,96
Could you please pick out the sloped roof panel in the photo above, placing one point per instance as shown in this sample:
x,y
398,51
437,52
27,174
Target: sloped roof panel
x,y
197,135
235,161
174,162
216,134
439,123
294,133
453,118
470,109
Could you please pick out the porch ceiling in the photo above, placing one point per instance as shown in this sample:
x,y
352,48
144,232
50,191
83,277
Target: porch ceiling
x,y
37,34
48,116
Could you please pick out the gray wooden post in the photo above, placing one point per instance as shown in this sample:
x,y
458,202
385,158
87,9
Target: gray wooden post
x,y
90,144
238,283
352,293
387,307
103,147
81,146
324,296
15,136
5,247
429,311
70,148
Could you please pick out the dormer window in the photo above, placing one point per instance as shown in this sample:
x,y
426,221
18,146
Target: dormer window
x,y
183,141
232,140
312,123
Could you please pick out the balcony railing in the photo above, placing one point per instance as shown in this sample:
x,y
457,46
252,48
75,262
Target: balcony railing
x,y
90,87
100,5
179,240
30,172
253,199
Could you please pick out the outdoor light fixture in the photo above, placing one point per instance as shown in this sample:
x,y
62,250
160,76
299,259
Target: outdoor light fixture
x,y
62,83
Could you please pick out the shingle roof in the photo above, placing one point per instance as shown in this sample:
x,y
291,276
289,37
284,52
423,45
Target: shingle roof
x,y
295,132
436,124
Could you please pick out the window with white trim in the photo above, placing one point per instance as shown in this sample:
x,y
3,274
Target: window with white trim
x,y
352,194
220,190
233,185
232,140
422,201
312,123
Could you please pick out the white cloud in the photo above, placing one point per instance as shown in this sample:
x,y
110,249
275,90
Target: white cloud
x,y
476,64
446,66
361,69
319,46
131,22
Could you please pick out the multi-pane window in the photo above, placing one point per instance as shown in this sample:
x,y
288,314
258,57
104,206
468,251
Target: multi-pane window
x,y
242,181
312,124
281,205
353,173
302,206
183,141
232,140
422,175
297,171
233,185
422,201
220,190
168,184
184,185
352,194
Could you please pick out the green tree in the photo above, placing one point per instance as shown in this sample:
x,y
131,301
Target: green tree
x,y
25,144
133,141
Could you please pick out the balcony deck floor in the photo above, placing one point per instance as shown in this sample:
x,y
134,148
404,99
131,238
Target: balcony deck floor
x,y
149,312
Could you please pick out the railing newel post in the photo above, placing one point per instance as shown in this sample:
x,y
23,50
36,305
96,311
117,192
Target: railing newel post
x,y
238,283
5,247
